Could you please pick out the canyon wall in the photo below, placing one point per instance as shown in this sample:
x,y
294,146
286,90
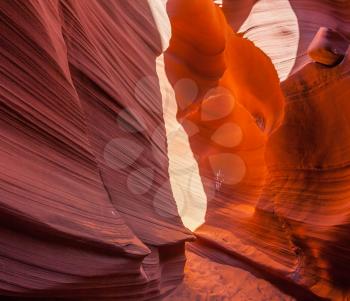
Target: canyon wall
x,y
132,128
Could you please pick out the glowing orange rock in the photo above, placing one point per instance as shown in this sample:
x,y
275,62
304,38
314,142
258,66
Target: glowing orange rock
x,y
264,205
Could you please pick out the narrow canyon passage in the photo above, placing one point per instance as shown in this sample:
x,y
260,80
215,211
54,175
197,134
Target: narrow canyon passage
x,y
174,150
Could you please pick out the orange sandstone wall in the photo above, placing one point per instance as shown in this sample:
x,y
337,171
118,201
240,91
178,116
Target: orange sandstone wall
x,y
87,203
274,160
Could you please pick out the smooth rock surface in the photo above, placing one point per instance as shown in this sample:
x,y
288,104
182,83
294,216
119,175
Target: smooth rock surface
x,y
125,125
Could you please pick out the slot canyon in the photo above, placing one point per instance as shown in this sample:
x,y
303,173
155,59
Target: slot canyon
x,y
175,150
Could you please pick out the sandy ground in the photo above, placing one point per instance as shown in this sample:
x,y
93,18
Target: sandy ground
x,y
206,280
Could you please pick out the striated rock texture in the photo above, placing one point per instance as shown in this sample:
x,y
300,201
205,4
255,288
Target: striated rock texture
x,y
278,197
126,124
81,186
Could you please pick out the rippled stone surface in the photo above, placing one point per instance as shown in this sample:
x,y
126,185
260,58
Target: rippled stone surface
x,y
128,128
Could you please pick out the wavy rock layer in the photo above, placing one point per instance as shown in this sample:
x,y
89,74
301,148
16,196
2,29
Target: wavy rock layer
x,y
84,179
278,197
111,145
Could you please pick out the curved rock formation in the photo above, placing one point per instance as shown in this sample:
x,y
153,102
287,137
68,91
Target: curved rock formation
x,y
127,124
82,178
289,226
